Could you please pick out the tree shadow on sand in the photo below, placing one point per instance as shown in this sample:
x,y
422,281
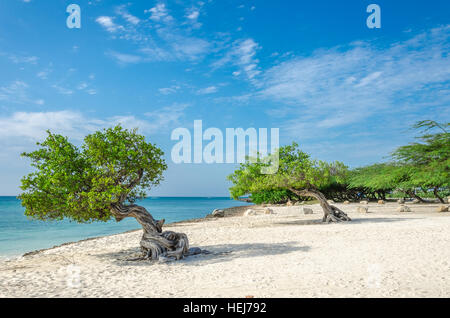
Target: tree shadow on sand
x,y
353,221
381,220
211,254
227,252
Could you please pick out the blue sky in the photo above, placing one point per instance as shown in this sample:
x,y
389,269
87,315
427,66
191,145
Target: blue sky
x,y
313,69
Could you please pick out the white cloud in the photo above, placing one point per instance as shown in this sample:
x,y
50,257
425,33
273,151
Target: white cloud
x,y
166,117
127,16
176,48
108,23
43,74
193,15
82,86
165,40
122,58
169,90
159,13
242,54
33,125
152,54
62,90
345,85
85,87
207,90
184,47
14,88
17,92
23,59
368,79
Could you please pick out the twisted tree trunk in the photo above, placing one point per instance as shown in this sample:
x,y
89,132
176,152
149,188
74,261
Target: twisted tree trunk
x,y
436,194
415,196
155,244
331,213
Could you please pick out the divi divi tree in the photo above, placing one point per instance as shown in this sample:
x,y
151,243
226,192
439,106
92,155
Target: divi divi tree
x,y
100,181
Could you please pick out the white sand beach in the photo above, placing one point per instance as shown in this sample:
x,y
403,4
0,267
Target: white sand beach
x,y
383,253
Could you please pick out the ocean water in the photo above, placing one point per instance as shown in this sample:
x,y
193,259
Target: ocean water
x,y
19,234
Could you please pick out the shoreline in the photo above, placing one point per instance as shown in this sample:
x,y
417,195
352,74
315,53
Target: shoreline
x,y
383,253
229,212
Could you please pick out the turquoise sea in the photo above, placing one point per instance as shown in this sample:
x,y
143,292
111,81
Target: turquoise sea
x,y
19,234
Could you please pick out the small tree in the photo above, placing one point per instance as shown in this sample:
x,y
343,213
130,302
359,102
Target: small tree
x,y
297,173
99,181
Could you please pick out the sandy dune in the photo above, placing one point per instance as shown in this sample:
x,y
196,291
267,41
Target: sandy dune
x,y
287,254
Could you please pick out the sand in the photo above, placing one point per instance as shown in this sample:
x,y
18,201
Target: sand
x,y
383,253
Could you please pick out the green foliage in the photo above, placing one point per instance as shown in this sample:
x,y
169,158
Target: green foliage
x,y
420,168
420,165
113,165
428,161
271,196
380,176
296,170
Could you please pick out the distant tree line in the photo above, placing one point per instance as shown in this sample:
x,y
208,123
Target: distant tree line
x,y
418,170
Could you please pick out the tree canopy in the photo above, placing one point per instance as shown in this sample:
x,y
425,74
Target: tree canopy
x,y
429,159
419,168
114,165
420,165
297,173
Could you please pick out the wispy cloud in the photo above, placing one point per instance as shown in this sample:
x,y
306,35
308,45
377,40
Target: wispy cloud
x,y
192,15
169,90
159,13
16,92
108,23
85,87
43,74
24,59
122,11
345,85
242,54
62,90
207,90
160,37
33,125
122,58
20,58
166,117
184,47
